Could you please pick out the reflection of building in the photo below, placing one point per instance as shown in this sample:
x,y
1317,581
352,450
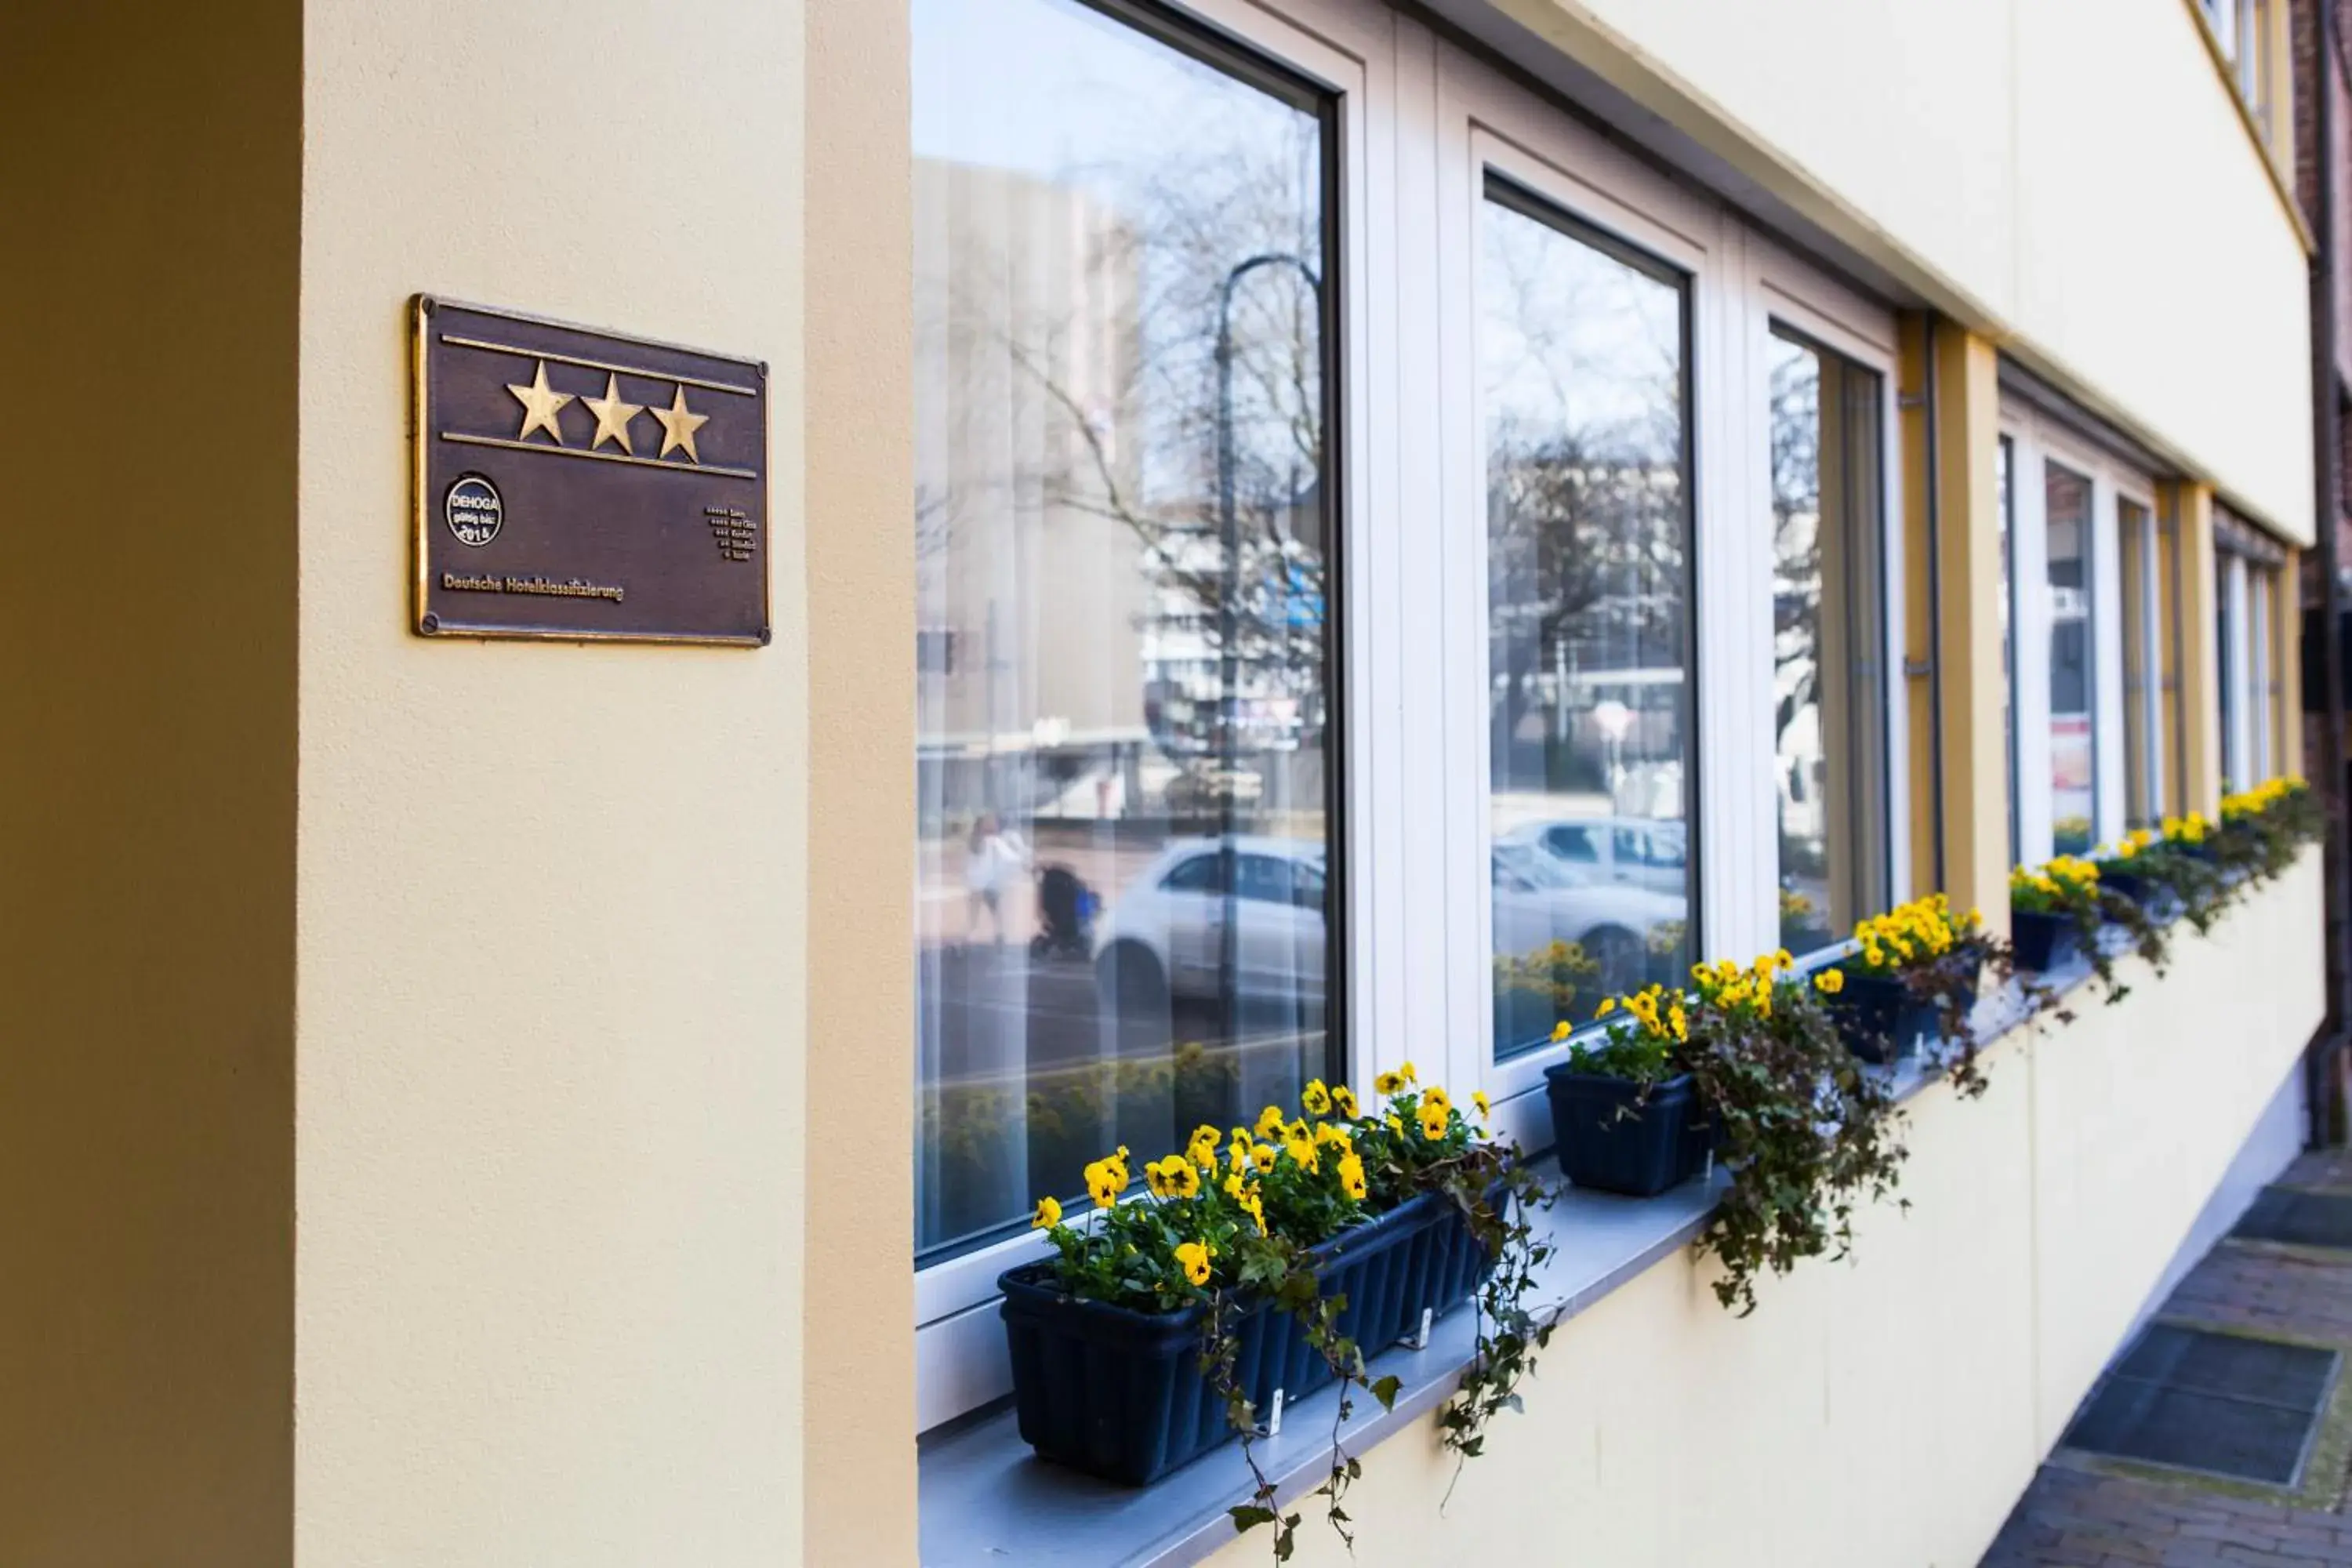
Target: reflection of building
x,y
1032,591
1590,691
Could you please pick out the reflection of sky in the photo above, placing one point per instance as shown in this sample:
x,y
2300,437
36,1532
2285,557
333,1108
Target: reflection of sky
x,y
1205,169
1573,340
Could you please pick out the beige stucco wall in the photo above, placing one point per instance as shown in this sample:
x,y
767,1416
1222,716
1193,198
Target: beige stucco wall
x,y
148,256
552,898
2072,179
1931,1372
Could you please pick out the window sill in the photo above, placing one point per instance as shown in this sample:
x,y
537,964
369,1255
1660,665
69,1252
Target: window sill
x,y
986,1500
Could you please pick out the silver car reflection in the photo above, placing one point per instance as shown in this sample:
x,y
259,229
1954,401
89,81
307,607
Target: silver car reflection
x,y
1165,937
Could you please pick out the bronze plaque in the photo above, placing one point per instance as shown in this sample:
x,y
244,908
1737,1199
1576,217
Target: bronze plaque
x,y
575,484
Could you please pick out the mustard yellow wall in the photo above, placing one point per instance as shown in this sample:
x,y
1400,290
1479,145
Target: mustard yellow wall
x,y
2071,179
1888,1410
150,178
551,899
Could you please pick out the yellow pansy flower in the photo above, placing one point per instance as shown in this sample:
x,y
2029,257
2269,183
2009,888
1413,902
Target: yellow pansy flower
x,y
1829,982
1351,1176
1316,1098
1104,1184
1193,1258
1048,1215
1343,1099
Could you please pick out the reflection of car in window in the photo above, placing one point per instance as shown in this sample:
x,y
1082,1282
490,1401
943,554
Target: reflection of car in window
x,y
1571,843
1634,851
1538,901
1166,937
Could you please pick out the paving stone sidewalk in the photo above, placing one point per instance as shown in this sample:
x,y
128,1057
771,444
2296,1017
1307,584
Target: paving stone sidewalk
x,y
2080,1513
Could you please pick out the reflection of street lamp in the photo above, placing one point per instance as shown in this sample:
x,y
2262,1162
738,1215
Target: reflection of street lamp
x,y
1229,619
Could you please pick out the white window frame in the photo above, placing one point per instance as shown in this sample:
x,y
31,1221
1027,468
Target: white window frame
x,y
1419,123
2036,441
960,1363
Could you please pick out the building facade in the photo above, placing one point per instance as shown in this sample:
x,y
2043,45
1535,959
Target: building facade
x,y
1301,536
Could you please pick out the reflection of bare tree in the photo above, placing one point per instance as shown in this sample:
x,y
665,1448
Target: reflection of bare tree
x,y
1586,506
1796,455
1116,367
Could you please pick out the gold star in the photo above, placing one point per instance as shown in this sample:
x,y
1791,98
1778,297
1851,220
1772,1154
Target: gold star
x,y
678,427
540,406
612,416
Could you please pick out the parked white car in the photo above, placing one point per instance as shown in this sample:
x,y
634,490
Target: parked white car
x,y
1165,934
1632,851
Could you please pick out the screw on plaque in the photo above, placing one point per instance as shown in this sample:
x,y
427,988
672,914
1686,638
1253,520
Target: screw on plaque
x,y
432,623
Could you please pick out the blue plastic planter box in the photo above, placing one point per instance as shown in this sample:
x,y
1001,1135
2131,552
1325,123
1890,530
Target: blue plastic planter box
x,y
1880,1020
1119,1394
1614,1140
2043,942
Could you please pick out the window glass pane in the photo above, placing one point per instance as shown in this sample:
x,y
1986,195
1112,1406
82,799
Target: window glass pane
x,y
2228,667
2073,690
2143,712
2171,636
2258,682
2005,459
1583,350
1121,518
1828,703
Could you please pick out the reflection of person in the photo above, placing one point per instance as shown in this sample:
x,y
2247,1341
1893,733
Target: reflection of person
x,y
993,857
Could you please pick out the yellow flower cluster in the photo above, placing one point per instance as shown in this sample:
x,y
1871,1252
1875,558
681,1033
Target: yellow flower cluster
x,y
2128,846
2254,802
1175,1177
1727,985
1107,1178
1221,1185
1909,933
1655,1015
2189,830
2062,879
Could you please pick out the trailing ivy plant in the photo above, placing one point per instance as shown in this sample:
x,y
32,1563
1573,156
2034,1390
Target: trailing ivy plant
x,y
1807,1133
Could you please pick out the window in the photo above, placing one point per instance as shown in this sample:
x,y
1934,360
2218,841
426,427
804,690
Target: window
x,y
1583,348
2074,705
1827,632
2083,569
1201,294
2244,30
2246,603
1123,521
